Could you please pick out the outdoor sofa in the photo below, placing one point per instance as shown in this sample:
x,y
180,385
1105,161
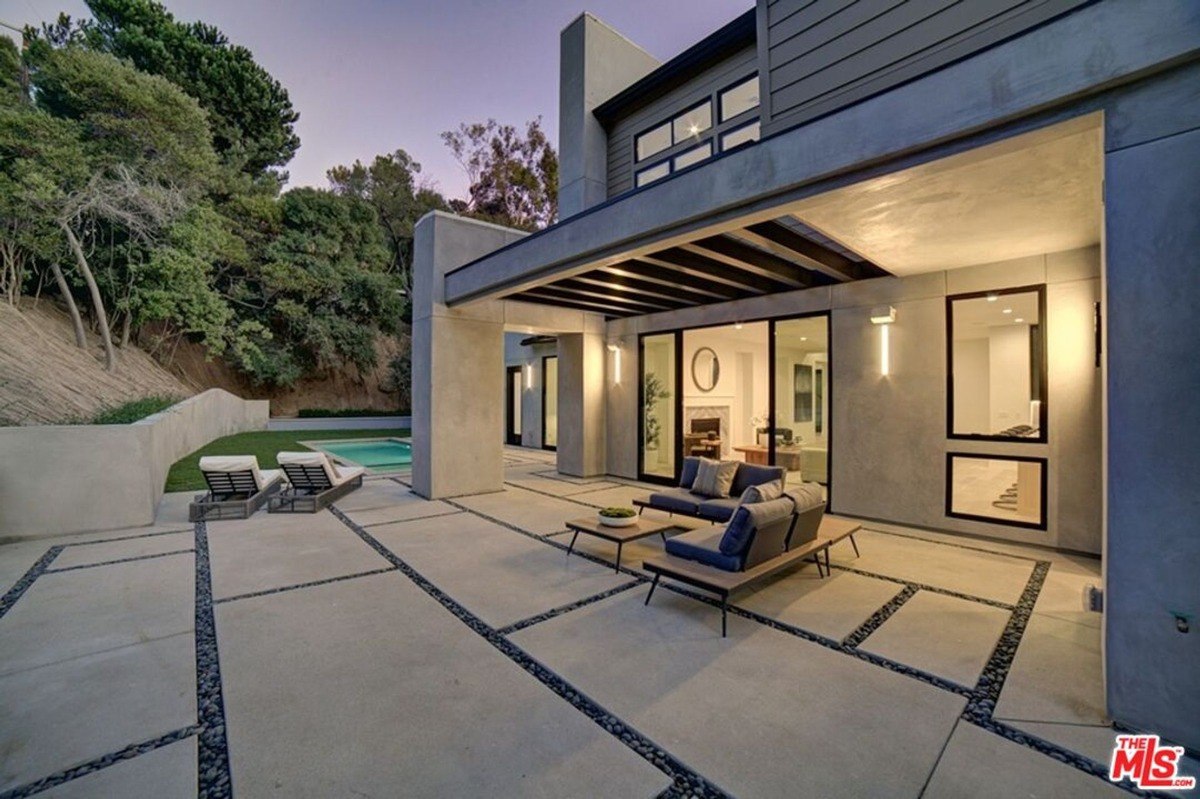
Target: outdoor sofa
x,y
315,482
684,500
236,487
761,539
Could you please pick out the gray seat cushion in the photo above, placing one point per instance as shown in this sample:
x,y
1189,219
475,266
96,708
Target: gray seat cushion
x,y
750,475
762,493
719,509
676,500
703,546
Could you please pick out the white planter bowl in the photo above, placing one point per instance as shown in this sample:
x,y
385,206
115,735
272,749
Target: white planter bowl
x,y
617,521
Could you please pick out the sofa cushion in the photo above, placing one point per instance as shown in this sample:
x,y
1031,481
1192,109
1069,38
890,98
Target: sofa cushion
x,y
747,519
806,496
750,475
718,508
762,493
714,478
703,546
687,475
677,500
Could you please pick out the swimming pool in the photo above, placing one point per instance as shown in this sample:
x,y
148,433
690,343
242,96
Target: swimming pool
x,y
377,454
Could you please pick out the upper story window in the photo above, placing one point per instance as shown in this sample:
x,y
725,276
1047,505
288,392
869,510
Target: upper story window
x,y
691,136
739,99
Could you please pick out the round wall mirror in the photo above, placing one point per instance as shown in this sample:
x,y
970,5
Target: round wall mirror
x,y
706,369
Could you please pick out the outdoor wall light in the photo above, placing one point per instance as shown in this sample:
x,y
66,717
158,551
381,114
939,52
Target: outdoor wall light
x,y
528,376
615,349
884,316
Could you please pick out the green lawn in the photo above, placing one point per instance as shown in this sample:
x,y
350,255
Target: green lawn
x,y
185,474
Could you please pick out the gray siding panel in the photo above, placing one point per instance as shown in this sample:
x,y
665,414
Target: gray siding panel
x,y
621,133
825,54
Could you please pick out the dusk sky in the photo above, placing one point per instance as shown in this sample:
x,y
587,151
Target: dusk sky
x,y
371,76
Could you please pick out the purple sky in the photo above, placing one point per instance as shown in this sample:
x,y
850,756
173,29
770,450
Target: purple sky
x,y
371,76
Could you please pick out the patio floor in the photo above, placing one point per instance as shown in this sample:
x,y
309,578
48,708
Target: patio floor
x,y
396,646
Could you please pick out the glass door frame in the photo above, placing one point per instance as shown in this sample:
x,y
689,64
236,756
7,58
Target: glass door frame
x,y
772,322
511,411
545,360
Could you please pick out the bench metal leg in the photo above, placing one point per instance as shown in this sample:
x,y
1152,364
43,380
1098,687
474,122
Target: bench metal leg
x,y
571,546
653,585
854,544
724,613
827,569
820,569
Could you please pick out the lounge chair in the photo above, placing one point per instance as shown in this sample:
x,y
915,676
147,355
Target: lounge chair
x,y
236,487
315,482
683,500
760,540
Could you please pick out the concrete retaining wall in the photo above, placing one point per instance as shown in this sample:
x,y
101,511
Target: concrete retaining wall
x,y
342,423
58,479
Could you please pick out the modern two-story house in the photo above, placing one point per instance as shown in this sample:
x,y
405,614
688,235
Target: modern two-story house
x,y
940,257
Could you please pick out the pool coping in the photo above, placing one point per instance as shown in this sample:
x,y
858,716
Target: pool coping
x,y
344,461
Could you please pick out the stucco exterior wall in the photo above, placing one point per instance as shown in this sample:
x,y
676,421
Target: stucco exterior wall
x,y
62,479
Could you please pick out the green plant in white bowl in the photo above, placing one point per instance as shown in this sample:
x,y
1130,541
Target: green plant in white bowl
x,y
618,517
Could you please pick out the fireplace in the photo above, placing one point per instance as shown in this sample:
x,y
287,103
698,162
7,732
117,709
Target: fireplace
x,y
699,420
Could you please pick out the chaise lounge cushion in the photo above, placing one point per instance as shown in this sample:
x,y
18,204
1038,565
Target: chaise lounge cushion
x,y
703,546
687,475
750,475
335,474
240,463
676,500
719,509
748,518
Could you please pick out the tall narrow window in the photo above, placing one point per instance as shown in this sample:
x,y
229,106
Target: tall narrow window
x,y
550,402
658,402
801,364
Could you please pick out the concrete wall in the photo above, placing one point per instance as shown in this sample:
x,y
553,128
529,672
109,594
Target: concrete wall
x,y
888,434
1152,204
595,63
61,479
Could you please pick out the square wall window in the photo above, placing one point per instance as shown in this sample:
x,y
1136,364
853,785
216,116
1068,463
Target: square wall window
x,y
690,124
742,135
997,365
693,156
651,174
996,488
654,141
739,99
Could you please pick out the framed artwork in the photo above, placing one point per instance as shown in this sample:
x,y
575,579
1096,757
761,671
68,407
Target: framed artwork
x,y
802,387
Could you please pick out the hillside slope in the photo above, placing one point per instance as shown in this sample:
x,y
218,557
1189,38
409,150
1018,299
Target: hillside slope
x,y
46,379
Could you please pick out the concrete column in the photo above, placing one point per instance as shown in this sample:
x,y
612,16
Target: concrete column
x,y
595,63
1152,203
581,404
458,364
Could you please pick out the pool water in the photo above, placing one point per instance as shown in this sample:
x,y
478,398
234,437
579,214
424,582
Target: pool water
x,y
380,454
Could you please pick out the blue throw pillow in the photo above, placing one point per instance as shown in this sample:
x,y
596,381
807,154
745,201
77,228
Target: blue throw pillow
x,y
688,475
738,533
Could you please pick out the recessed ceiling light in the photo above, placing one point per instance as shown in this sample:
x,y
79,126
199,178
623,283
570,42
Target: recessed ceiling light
x,y
804,338
1008,310
737,326
1018,319
993,297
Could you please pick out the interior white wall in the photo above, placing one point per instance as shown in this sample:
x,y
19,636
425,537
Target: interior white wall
x,y
1008,378
972,380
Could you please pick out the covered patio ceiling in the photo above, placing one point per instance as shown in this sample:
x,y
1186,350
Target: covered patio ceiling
x,y
781,254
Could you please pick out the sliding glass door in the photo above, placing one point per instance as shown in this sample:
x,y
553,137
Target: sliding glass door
x,y
801,398
658,394
550,402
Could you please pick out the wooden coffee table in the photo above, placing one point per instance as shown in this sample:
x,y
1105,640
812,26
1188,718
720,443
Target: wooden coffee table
x,y
619,535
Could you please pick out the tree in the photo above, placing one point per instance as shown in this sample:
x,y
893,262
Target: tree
x,y
251,119
514,178
390,185
328,286
147,150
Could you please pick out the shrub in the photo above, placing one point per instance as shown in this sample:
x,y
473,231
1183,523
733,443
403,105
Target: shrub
x,y
134,410
617,513
330,413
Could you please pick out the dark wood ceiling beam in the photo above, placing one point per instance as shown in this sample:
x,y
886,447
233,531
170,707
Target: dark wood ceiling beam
x,y
646,304
637,287
787,242
701,266
741,255
548,296
670,277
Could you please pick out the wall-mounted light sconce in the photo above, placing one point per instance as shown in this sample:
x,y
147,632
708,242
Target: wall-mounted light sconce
x,y
615,349
528,376
884,316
